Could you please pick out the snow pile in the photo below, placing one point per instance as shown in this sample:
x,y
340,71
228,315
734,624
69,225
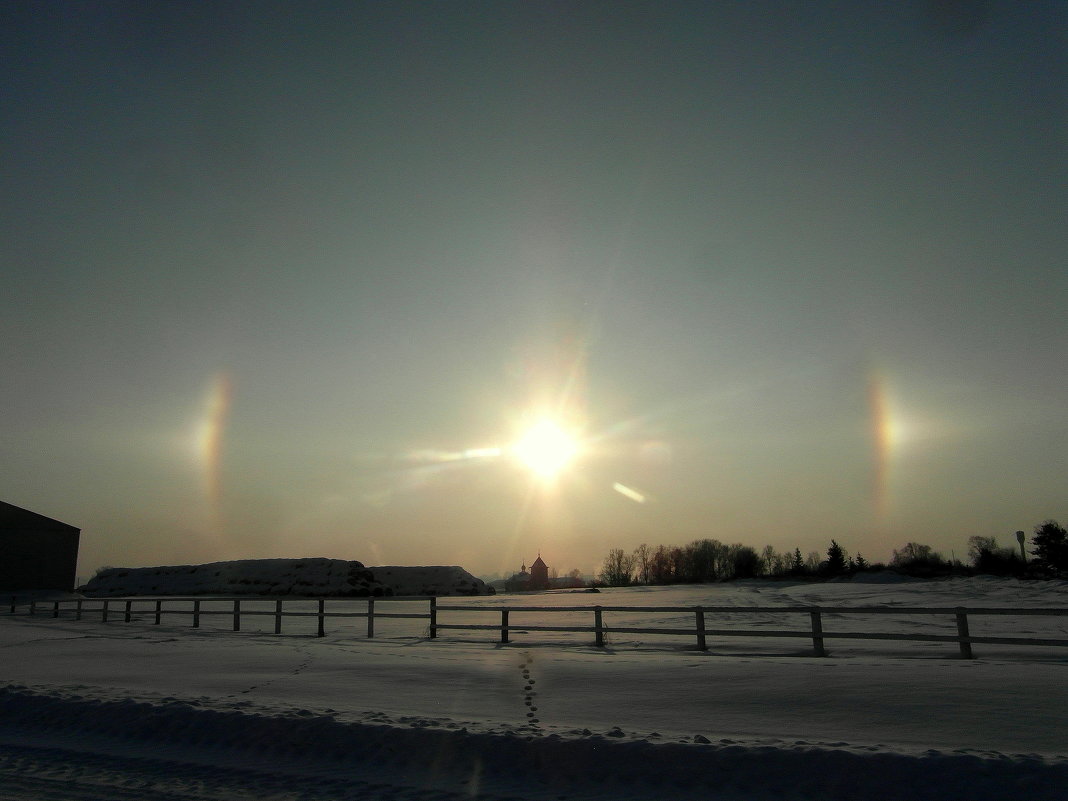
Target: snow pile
x,y
430,581
879,577
299,577
325,758
309,577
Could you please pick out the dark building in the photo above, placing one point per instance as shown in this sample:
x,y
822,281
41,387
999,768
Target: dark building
x,y
36,552
536,579
539,575
519,582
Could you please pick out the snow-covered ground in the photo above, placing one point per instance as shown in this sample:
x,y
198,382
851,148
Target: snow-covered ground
x,y
284,577
90,710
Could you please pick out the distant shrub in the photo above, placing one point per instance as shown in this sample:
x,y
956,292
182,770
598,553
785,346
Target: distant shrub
x,y
988,558
1002,562
916,559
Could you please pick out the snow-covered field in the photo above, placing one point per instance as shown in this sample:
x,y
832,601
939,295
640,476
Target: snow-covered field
x,y
90,710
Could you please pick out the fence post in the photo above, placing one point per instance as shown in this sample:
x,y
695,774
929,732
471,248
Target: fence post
x,y
322,630
159,610
77,610
598,625
504,625
126,618
277,615
196,613
817,633
700,613
433,618
104,611
55,608
237,615
370,617
963,635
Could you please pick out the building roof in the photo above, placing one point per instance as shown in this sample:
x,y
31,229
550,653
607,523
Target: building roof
x,y
12,517
539,562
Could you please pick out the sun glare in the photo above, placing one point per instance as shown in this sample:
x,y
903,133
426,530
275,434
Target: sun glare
x,y
545,448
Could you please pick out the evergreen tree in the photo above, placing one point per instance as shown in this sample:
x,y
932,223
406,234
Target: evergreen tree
x,y
799,563
1050,545
836,562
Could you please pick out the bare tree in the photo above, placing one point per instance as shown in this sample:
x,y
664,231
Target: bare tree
x,y
677,559
775,563
744,562
913,552
660,565
978,546
641,561
617,568
918,559
812,562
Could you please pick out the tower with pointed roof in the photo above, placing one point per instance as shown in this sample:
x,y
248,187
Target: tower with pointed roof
x,y
539,575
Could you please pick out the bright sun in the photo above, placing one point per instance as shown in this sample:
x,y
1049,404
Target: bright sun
x,y
545,448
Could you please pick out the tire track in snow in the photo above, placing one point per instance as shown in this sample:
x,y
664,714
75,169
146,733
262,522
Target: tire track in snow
x,y
60,774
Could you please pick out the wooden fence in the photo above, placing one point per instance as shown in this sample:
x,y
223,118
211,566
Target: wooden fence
x,y
698,628
108,608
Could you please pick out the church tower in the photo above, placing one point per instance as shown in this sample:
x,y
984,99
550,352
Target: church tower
x,y
539,575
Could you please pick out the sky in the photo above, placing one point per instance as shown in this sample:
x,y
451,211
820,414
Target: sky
x,y
292,279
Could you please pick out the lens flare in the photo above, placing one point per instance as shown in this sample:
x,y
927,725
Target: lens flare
x,y
885,432
210,431
628,492
433,456
545,448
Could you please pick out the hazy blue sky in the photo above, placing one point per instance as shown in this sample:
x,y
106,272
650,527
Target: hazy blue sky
x,y
276,273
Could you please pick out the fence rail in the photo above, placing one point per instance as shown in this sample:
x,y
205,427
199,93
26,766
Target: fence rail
x,y
816,631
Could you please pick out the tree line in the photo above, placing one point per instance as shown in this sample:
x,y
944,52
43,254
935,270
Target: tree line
x,y
707,560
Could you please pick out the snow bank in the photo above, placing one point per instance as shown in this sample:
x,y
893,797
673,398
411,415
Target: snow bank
x,y
879,577
430,581
315,577
303,745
